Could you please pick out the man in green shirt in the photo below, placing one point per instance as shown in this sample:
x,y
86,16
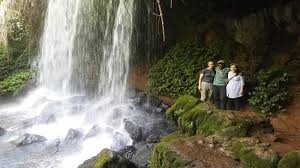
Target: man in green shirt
x,y
219,85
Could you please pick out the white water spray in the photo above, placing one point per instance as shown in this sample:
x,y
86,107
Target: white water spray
x,y
56,53
62,99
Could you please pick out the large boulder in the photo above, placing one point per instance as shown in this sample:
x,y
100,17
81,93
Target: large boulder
x,y
142,156
135,131
194,118
230,131
128,152
94,131
73,136
28,139
108,159
290,160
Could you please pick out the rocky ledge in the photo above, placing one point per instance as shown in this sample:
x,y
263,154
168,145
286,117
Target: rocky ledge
x,y
209,137
205,137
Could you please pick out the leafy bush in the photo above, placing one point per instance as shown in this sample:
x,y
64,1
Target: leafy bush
x,y
9,66
178,72
14,83
271,94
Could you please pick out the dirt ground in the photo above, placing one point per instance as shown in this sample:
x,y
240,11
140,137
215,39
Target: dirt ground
x,y
202,155
287,126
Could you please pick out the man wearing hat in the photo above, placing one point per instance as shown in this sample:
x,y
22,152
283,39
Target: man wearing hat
x,y
219,85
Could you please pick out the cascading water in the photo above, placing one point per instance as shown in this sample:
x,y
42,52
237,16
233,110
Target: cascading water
x,y
115,63
56,54
79,104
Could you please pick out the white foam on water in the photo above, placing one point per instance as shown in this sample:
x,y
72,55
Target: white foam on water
x,y
63,67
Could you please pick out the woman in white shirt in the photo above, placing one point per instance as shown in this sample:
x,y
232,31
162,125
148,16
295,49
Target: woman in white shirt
x,y
234,88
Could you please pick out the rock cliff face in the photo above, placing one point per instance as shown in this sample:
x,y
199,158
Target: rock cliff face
x,y
266,36
22,25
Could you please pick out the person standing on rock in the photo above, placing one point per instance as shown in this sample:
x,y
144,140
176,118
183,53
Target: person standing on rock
x,y
206,79
234,88
219,85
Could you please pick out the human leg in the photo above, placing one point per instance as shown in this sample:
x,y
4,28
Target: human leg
x,y
222,91
204,90
210,91
229,104
237,104
216,96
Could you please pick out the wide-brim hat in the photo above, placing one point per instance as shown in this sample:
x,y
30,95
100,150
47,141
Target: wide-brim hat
x,y
221,62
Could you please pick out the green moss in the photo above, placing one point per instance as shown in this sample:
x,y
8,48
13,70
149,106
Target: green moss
x,y
182,104
195,118
110,159
290,160
251,155
103,158
164,157
13,84
173,136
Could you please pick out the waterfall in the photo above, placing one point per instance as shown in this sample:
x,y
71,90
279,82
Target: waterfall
x,y
82,71
56,52
115,64
66,69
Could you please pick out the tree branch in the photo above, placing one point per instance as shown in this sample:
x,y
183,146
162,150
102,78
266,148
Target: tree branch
x,y
161,19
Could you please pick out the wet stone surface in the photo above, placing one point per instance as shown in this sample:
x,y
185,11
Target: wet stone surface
x,y
28,139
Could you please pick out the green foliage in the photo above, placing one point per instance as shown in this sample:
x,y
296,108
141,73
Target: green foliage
x,y
9,67
290,160
271,94
24,26
19,34
178,72
14,83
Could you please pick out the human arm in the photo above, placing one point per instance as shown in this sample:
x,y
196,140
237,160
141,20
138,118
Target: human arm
x,y
242,85
200,81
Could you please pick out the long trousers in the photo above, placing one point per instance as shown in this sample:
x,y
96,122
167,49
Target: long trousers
x,y
206,91
219,93
234,104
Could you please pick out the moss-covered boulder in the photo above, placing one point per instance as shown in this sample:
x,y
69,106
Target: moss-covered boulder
x,y
290,160
231,131
252,153
108,159
164,156
178,150
194,118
